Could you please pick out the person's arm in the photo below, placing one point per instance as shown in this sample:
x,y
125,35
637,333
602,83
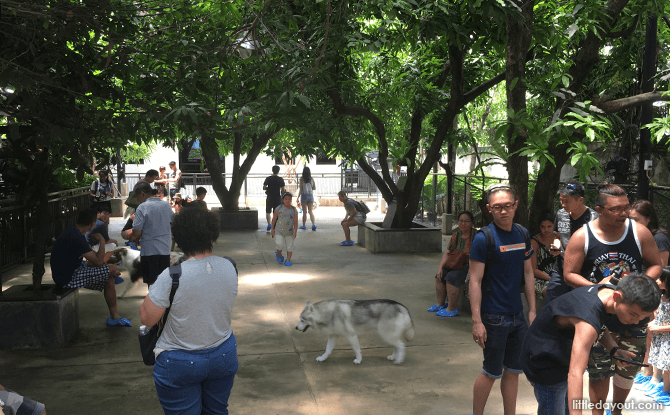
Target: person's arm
x,y
650,254
295,222
135,235
150,313
539,274
585,336
313,185
574,259
299,189
97,258
475,289
529,290
274,222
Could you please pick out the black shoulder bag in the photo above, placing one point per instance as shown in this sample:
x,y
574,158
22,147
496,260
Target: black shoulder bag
x,y
148,339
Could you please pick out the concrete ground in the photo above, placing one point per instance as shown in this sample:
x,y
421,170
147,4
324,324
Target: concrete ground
x,y
101,371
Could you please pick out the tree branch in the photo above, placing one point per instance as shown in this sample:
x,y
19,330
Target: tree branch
x,y
610,107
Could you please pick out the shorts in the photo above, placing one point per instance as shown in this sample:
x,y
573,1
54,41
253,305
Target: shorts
x,y
93,278
281,240
504,335
17,404
307,198
455,277
360,218
271,204
631,337
152,266
540,285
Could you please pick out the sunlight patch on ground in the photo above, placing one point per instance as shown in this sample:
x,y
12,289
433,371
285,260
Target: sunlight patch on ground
x,y
267,279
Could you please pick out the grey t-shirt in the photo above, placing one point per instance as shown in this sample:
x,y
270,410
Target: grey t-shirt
x,y
203,304
349,205
154,219
285,222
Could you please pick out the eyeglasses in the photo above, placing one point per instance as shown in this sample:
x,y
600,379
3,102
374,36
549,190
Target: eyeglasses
x,y
618,210
499,208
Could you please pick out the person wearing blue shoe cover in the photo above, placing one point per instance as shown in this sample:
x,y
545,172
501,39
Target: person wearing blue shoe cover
x,y
557,347
453,268
69,272
498,323
284,228
354,216
306,188
196,354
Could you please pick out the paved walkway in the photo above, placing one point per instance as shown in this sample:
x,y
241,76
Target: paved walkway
x,y
101,371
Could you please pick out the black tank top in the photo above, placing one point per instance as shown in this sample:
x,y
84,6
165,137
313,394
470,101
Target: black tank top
x,y
619,258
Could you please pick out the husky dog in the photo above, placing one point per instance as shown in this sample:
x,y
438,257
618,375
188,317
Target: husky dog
x,y
344,317
129,260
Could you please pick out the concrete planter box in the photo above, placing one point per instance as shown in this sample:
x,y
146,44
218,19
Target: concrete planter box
x,y
48,319
416,239
245,218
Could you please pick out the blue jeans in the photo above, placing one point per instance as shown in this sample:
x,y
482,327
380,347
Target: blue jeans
x,y
552,399
504,335
194,382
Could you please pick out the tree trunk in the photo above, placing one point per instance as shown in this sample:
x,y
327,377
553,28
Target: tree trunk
x,y
229,198
519,36
41,243
210,153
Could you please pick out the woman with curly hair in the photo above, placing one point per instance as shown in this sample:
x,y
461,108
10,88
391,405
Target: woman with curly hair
x,y
196,355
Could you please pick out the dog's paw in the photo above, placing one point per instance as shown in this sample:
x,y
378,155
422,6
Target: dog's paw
x,y
391,357
397,362
357,361
119,296
322,358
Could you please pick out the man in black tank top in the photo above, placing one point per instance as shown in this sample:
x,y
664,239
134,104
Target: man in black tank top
x,y
605,251
556,348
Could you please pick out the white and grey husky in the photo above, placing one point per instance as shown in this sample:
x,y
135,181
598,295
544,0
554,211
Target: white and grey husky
x,y
344,317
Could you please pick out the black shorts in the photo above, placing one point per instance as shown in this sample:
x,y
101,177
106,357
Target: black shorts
x,y
153,265
271,204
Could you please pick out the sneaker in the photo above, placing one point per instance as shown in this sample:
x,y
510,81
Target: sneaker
x,y
437,307
445,313
313,227
302,227
288,263
269,228
663,397
345,243
280,259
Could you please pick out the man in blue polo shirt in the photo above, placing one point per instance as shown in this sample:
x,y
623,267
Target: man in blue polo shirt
x,y
498,323
153,222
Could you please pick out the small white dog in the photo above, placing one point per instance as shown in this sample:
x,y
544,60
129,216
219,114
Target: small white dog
x,y
344,317
129,260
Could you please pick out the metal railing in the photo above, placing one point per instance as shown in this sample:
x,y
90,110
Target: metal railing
x,y
19,226
327,184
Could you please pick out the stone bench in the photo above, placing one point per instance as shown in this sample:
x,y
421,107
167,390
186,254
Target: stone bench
x,y
48,318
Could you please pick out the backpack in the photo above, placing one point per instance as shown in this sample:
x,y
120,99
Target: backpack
x,y
360,206
490,255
